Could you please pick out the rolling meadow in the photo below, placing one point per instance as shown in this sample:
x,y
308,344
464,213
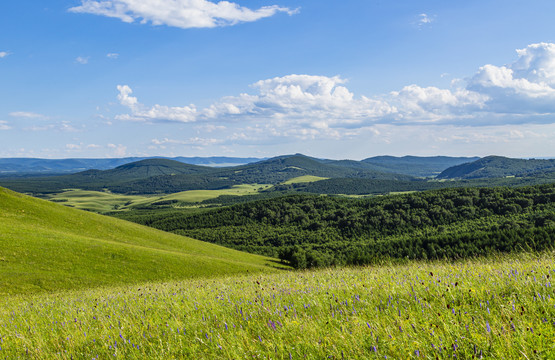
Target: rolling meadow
x,y
455,273
502,307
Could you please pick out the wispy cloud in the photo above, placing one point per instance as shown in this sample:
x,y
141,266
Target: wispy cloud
x,y
112,55
425,19
82,60
178,13
3,54
63,126
27,115
73,146
118,150
198,141
4,125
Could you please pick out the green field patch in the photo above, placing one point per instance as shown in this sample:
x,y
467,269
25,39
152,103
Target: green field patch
x,y
304,179
99,201
401,192
194,196
105,201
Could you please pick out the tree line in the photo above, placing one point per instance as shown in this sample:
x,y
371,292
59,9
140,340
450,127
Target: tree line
x,y
311,231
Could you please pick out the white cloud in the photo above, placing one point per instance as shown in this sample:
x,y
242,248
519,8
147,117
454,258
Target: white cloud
x,y
310,107
3,54
73,147
112,55
124,98
63,126
82,60
118,150
27,115
316,101
178,13
432,104
526,86
198,141
139,112
424,19
4,125
93,146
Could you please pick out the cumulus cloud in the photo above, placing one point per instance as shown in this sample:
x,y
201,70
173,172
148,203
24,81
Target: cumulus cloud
x,y
316,101
526,86
3,54
312,106
431,104
178,13
139,112
124,98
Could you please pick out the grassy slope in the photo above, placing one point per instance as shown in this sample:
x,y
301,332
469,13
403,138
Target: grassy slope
x,y
48,247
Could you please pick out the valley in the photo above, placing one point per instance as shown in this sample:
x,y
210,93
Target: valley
x,y
289,257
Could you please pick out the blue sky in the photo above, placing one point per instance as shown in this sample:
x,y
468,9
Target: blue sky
x,y
336,79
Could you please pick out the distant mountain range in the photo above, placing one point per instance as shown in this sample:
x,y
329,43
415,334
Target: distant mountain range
x,y
408,165
160,175
18,166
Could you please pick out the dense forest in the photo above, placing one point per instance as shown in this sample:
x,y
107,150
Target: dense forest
x,y
311,231
498,167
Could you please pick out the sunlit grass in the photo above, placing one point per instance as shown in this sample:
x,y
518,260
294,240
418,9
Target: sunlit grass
x,y
304,179
201,195
498,309
105,201
48,247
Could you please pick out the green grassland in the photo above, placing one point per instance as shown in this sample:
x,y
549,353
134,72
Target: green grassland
x,y
304,179
105,201
49,247
500,308
201,195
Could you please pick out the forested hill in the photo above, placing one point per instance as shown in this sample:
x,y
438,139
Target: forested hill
x,y
35,166
105,179
416,165
283,168
320,231
169,176
498,166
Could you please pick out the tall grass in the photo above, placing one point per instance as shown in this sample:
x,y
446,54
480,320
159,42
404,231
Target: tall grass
x,y
493,308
